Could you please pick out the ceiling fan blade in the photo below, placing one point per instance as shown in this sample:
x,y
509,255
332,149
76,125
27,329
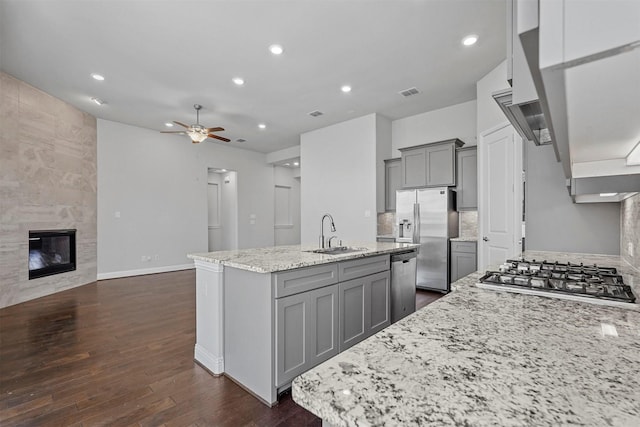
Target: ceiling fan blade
x,y
181,124
209,130
218,137
174,131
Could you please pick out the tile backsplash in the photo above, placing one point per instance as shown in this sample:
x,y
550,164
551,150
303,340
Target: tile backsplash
x,y
630,231
468,224
387,224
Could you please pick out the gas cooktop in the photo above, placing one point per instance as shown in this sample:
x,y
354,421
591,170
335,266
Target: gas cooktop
x,y
578,282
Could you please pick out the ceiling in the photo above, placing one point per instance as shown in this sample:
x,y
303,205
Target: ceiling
x,y
161,57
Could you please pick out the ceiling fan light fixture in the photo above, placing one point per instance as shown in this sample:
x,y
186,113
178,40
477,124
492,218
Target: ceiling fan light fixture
x,y
196,136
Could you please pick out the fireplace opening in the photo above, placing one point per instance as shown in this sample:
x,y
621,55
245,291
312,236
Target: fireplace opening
x,y
51,252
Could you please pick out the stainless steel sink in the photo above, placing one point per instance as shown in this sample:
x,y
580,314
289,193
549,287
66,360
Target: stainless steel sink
x,y
338,250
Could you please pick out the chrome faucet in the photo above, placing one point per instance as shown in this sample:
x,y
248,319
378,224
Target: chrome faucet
x,y
333,228
330,239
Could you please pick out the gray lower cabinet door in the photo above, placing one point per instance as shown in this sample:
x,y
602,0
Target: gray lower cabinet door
x,y
353,311
364,308
379,301
306,331
462,264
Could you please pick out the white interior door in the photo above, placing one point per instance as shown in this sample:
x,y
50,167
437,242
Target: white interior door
x,y
500,195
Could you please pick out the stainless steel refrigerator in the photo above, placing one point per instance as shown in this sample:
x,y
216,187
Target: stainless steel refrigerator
x,y
427,216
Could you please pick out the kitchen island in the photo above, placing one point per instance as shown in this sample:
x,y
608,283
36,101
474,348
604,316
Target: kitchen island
x,y
266,315
482,358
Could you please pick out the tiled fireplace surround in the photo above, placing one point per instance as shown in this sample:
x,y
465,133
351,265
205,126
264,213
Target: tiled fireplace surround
x,y
47,181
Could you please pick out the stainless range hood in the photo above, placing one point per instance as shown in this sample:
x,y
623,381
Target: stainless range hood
x,y
526,118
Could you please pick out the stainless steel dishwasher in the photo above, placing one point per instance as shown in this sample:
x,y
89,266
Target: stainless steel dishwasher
x,y
403,284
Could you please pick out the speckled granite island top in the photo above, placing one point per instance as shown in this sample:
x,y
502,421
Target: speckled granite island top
x,y
280,258
484,358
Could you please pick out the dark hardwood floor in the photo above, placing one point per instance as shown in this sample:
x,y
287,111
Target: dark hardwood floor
x,y
120,352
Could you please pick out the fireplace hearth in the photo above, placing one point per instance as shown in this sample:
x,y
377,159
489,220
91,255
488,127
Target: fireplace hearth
x,y
51,252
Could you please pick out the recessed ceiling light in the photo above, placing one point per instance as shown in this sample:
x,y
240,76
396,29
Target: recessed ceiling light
x,y
296,163
98,77
287,164
223,170
276,49
169,125
239,81
469,40
97,100
262,126
346,88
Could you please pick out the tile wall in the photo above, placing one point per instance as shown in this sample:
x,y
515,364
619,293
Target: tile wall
x,y
630,231
47,181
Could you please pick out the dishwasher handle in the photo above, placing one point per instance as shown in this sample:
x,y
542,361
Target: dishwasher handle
x,y
403,256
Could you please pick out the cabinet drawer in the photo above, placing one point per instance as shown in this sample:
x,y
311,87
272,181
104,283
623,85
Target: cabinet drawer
x,y
361,267
469,247
304,279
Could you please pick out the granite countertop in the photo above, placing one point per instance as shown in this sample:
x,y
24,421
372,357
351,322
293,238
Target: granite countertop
x,y
483,358
464,239
280,258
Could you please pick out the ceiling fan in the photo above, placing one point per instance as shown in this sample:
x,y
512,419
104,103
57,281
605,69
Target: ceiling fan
x,y
197,132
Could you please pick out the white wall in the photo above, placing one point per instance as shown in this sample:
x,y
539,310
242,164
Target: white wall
x,y
339,177
383,151
285,177
456,121
489,113
215,230
158,184
229,202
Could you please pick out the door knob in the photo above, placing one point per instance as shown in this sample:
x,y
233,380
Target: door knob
x,y
485,238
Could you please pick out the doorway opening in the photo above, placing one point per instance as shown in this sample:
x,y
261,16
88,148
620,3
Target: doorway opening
x,y
222,209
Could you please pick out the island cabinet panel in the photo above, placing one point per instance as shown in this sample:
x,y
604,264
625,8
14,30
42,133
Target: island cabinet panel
x,y
306,331
364,307
348,270
304,279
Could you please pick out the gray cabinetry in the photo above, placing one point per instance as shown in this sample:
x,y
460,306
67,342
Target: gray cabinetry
x,y
364,308
463,259
429,165
392,183
467,178
307,331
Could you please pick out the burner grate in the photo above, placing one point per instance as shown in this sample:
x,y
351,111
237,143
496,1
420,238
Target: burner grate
x,y
557,278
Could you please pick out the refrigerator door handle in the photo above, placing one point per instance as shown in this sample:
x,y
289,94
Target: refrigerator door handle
x,y
416,223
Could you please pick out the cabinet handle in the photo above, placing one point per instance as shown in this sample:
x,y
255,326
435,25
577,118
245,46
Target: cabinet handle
x,y
485,238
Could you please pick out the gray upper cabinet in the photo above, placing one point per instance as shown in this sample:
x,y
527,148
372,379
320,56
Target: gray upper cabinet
x,y
392,182
467,178
429,165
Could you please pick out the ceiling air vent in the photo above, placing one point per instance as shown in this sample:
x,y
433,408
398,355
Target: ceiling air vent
x,y
241,140
409,92
316,113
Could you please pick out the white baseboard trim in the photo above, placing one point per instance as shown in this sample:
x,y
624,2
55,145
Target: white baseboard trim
x,y
214,364
143,271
